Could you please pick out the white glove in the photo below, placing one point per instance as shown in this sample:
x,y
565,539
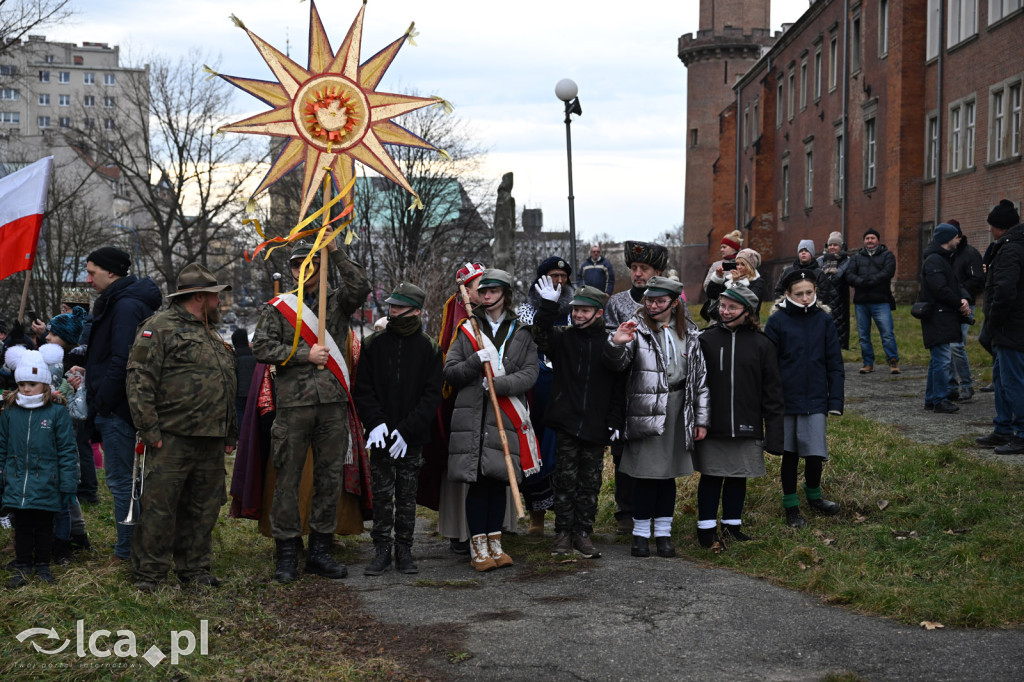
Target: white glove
x,y
546,289
377,436
614,437
485,356
399,447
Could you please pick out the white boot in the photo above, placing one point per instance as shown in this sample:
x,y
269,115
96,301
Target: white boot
x,y
480,557
501,559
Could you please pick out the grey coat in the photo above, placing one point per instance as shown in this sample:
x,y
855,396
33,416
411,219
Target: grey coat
x,y
470,452
647,385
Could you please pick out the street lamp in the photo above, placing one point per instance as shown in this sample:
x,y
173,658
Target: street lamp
x,y
566,91
138,257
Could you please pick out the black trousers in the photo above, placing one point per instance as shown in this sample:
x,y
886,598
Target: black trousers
x,y
732,490
33,536
485,506
654,498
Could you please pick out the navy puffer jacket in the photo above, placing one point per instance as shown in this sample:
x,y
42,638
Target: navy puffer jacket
x,y
810,361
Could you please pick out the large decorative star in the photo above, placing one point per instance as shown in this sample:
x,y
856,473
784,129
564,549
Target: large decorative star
x,y
330,110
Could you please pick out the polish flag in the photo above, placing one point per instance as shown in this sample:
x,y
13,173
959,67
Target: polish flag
x,y
22,202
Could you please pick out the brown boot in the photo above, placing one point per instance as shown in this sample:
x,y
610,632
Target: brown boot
x,y
894,366
501,559
480,556
867,369
536,523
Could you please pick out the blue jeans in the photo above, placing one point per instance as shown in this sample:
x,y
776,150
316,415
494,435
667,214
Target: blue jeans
x,y
882,315
938,375
118,455
960,370
1008,378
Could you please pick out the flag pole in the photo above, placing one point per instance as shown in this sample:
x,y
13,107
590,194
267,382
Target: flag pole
x,y
24,294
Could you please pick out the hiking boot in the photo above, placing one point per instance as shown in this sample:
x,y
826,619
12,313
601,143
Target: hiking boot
x,y
867,369
61,552
201,579
145,586
20,576
501,558
733,532
287,569
664,547
991,388
707,537
319,560
793,518
624,526
894,366
381,562
953,395
584,546
536,523
80,542
823,506
966,395
993,439
459,547
563,544
641,547
1015,446
404,562
480,555
43,573
946,407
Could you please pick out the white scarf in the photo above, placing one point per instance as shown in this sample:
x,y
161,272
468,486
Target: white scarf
x,y
30,402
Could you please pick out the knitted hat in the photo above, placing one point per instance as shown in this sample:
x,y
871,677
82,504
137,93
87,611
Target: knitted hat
x,y
805,245
468,272
1004,215
494,277
647,253
873,231
111,259
943,233
553,263
744,296
835,238
663,286
750,257
68,326
408,295
32,367
590,296
734,240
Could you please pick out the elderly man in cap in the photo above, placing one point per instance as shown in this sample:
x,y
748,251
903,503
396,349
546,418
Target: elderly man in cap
x,y
312,406
181,390
397,391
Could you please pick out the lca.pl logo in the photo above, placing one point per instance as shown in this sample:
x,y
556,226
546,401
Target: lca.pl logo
x,y
182,643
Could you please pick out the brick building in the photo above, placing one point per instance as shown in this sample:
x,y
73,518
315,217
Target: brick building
x,y
891,115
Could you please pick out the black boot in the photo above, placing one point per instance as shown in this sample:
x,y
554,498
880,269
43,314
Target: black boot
x,y
665,548
43,572
287,560
733,532
319,560
823,506
61,552
80,542
404,562
707,537
641,547
382,561
20,577
793,518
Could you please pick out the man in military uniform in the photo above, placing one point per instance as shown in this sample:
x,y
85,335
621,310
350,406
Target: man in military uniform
x,y
181,390
312,408
397,391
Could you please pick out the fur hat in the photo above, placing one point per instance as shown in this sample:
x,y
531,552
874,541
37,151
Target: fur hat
x,y
32,367
1004,215
750,257
835,238
647,253
68,326
733,240
111,259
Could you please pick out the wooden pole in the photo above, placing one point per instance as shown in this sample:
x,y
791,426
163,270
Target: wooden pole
x,y
321,332
24,294
489,373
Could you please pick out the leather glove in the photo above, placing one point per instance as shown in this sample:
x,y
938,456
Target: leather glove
x,y
377,436
546,289
399,448
614,437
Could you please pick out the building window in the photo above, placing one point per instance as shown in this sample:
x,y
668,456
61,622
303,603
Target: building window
x,y
817,74
962,128
955,137
1015,119
931,159
833,62
89,123
998,109
870,154
89,78
997,9
44,76
746,126
969,128
855,45
63,76
89,100
693,141
809,179
756,119
43,121
785,190
44,100
778,107
8,70
108,102
883,27
10,117
108,79
803,85
961,21
64,100
108,124
791,94
64,122
839,172
9,94
934,22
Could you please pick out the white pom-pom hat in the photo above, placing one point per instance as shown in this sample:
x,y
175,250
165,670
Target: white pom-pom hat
x,y
32,367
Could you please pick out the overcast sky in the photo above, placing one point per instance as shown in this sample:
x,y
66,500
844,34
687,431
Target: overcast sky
x,y
498,64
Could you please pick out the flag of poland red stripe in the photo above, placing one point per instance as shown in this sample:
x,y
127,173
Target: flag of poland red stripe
x,y
22,202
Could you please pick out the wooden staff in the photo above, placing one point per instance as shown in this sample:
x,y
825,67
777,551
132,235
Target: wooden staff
x,y
489,373
321,332
24,295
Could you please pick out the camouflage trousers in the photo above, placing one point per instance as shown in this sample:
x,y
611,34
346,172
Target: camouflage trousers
x,y
325,427
182,493
578,467
394,483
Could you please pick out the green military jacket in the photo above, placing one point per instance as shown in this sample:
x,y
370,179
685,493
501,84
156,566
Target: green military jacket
x,y
181,379
299,383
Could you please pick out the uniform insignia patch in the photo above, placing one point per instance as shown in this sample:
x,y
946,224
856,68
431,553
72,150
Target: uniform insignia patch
x,y
146,334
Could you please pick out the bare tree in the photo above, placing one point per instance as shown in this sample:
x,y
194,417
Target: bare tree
x,y
19,18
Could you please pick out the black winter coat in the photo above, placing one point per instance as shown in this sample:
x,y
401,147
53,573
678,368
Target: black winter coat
x,y
398,383
1004,292
125,304
968,270
870,276
746,389
810,362
940,288
588,397
833,269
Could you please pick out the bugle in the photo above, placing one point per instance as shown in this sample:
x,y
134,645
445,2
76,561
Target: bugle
x,y
138,472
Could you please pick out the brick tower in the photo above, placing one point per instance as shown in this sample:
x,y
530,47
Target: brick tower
x,y
731,38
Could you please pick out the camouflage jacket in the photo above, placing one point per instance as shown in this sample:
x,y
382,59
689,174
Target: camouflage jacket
x,y
181,378
299,382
